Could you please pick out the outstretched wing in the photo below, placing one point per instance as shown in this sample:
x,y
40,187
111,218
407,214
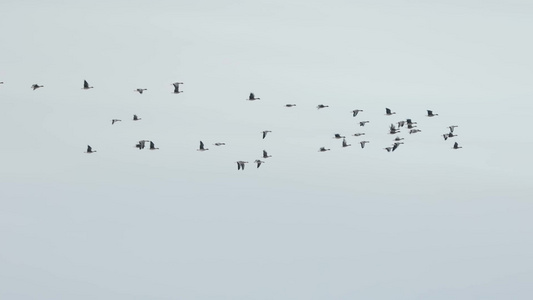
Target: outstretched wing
x,y
201,145
85,84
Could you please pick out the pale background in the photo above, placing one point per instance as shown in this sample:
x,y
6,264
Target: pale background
x,y
424,222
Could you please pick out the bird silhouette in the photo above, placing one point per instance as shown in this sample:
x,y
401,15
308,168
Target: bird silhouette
x,y
456,146
323,149
202,147
252,97
258,162
36,86
431,114
152,146
265,133
90,149
320,106
240,164
388,112
140,91
114,121
356,111
265,154
135,118
290,105
86,85
344,144
177,87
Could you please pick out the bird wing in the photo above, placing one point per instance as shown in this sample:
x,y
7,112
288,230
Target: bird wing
x,y
201,145
387,110
264,134
89,149
430,112
152,145
85,84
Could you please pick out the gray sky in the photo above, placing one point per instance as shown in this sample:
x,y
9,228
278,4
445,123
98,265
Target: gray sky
x,y
424,222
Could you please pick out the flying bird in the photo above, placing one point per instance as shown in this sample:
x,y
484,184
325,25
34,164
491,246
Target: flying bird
x,y
356,111
114,121
152,146
265,133
338,136
202,147
240,164
456,146
323,149
398,139
358,134
409,122
141,144
140,91
431,114
452,127
395,146
414,131
265,154
36,86
135,118
177,87
362,123
258,162
363,143
252,97
90,149
344,144
393,129
388,112
219,144
86,85
290,105
388,149
320,106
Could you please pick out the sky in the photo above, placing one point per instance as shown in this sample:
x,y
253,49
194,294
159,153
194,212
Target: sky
x,y
423,222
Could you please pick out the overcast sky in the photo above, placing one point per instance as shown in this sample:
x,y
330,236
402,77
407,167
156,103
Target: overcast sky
x,y
423,222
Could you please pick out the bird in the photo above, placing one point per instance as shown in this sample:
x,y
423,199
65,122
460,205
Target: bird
x,y
252,97
431,114
86,85
141,144
114,121
135,118
240,164
401,123
456,146
395,146
258,162
452,127
338,136
219,144
448,135
356,111
398,139
358,134
411,126
321,106
409,121
363,143
140,91
36,86
90,149
393,130
344,144
362,123
265,154
414,131
202,147
290,105
177,87
265,133
323,149
388,112
152,146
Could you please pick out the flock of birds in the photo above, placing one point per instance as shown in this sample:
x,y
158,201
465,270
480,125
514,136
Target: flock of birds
x,y
393,128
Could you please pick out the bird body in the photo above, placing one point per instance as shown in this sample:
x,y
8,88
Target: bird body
x,y
240,164
219,144
356,111
265,154
252,97
431,114
202,147
258,162
388,112
36,86
363,143
90,149
358,134
362,123
140,91
338,136
86,85
320,106
265,133
456,146
177,87
414,131
290,105
344,144
135,118
152,146
114,121
323,149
